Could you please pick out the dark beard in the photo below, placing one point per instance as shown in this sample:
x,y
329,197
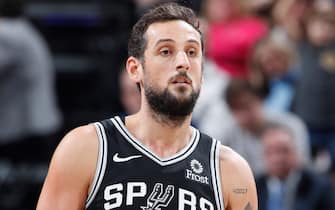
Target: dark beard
x,y
167,107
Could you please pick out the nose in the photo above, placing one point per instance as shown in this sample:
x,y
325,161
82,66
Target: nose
x,y
182,61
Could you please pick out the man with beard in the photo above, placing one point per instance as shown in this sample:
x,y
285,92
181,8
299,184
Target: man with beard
x,y
153,159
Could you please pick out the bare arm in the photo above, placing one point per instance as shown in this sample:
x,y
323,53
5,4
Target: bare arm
x,y
71,171
239,189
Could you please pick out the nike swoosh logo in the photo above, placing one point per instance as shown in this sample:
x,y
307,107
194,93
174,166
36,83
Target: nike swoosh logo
x,y
118,159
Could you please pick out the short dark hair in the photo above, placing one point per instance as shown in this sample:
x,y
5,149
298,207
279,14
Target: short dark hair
x,y
272,125
238,87
162,13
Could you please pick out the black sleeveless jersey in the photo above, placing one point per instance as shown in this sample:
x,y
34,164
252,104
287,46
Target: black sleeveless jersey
x,y
130,176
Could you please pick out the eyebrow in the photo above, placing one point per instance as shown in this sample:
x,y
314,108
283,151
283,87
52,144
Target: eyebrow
x,y
171,40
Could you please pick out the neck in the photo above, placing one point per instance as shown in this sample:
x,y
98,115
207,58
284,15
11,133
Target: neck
x,y
162,135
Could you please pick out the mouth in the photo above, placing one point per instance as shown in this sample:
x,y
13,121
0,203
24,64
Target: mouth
x,y
181,80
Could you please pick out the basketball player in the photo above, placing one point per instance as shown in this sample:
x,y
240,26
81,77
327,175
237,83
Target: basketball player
x,y
153,159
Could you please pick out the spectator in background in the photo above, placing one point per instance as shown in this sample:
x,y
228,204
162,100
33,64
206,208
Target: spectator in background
x,y
286,184
210,104
232,32
29,116
130,96
27,99
243,136
315,97
288,16
272,70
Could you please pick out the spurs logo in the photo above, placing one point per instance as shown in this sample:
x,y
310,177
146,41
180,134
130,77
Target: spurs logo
x,y
122,196
158,199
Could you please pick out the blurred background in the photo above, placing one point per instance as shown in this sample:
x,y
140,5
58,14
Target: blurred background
x,y
268,91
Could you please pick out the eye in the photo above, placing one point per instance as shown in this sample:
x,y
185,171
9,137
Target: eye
x,y
165,52
192,52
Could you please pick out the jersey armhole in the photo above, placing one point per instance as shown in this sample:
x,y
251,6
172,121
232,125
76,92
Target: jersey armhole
x,y
101,163
216,174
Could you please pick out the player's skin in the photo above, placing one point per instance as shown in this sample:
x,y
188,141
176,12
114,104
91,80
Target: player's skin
x,y
172,47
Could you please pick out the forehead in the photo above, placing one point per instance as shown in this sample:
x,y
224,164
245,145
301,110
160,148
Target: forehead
x,y
176,30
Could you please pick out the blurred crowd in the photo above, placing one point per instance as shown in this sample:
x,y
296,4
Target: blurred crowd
x,y
269,74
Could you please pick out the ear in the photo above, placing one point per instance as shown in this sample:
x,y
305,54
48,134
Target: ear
x,y
134,69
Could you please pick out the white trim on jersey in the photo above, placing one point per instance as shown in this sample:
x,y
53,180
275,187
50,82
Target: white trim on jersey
x,y
184,153
101,163
216,175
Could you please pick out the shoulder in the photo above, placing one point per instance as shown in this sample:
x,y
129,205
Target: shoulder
x,y
77,152
237,181
229,159
71,170
79,138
